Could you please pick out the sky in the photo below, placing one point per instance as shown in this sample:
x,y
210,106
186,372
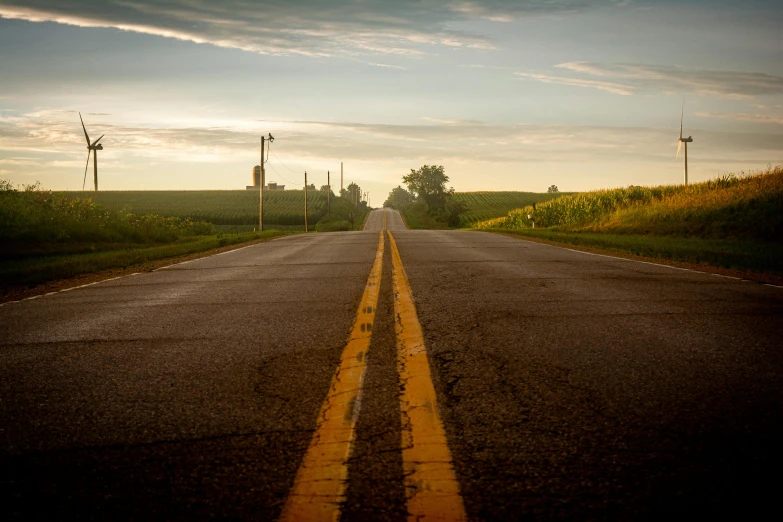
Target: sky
x,y
506,95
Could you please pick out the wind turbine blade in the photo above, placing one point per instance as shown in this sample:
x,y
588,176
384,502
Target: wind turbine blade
x,y
682,115
679,145
85,130
89,151
96,141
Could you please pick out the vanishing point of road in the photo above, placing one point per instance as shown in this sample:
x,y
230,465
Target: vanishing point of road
x,y
393,374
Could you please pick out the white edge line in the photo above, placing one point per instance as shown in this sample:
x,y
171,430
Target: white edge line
x,y
624,259
129,275
647,262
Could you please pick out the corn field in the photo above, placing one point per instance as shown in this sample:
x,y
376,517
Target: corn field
x,y
219,207
745,204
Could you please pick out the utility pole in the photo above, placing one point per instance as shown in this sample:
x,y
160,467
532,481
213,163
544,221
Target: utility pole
x,y
329,193
305,201
261,190
261,184
341,179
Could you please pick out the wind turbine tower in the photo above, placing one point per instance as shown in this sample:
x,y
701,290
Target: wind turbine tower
x,y
94,146
686,141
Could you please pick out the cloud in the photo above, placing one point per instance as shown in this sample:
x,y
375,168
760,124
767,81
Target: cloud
x,y
613,87
55,136
760,118
629,78
301,27
451,122
508,10
387,66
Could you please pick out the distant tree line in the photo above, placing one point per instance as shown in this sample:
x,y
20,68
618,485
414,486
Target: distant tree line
x,y
426,186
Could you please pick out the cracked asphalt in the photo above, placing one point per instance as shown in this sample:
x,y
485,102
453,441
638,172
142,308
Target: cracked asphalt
x,y
571,386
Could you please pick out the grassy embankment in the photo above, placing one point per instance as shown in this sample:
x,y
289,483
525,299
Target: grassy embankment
x,y
732,222
49,236
481,206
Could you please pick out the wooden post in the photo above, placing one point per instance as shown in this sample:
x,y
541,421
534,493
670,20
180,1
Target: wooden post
x,y
305,194
261,190
329,193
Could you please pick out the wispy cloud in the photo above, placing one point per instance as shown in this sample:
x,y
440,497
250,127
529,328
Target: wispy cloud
x,y
452,122
59,137
613,87
387,66
758,118
303,27
629,78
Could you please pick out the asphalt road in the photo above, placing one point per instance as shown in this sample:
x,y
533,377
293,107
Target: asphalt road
x,y
571,386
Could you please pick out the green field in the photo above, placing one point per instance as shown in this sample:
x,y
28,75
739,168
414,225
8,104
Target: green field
x,y
732,221
743,207
489,205
238,209
482,206
55,235
219,207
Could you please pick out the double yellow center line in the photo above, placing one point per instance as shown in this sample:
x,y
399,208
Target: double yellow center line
x,y
432,492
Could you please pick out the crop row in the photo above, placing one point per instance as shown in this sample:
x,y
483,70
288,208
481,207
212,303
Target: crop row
x,y
220,207
488,205
742,206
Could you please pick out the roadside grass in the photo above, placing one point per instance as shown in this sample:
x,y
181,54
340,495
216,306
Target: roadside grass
x,y
417,218
340,220
36,269
48,236
732,222
241,229
744,207
725,253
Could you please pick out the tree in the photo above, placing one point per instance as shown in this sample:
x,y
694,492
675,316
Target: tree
x,y
453,210
552,189
429,184
354,193
398,198
325,189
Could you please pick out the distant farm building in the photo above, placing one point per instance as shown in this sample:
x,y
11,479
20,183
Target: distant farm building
x,y
257,181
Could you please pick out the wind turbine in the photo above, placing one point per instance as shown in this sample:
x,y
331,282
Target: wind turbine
x,y
94,146
682,140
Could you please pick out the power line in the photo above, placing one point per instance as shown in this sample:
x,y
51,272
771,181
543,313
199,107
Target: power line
x,y
283,164
284,178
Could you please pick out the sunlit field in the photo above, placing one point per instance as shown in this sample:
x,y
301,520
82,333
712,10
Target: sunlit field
x,y
735,221
488,205
219,207
741,206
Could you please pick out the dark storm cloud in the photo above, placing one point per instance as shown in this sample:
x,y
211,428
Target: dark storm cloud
x,y
306,27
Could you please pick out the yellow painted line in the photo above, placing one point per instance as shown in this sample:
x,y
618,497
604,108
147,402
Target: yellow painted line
x,y
319,486
384,219
431,488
